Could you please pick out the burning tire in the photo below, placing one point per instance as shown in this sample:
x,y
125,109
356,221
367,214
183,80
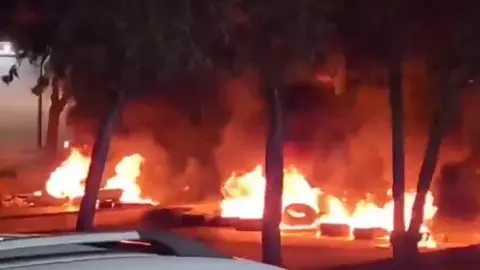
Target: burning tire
x,y
221,222
248,225
161,218
109,204
193,220
369,233
299,214
334,230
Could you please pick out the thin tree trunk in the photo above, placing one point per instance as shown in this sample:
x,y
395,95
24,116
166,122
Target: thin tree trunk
x,y
40,120
40,102
399,236
56,108
271,239
398,154
429,163
86,214
53,128
272,69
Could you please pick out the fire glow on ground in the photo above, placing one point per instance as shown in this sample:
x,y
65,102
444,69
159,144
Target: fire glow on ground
x,y
305,207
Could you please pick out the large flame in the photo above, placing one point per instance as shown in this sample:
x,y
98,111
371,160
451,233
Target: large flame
x,y
245,194
67,181
244,199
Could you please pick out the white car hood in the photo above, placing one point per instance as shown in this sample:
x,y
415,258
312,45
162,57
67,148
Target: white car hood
x,y
130,261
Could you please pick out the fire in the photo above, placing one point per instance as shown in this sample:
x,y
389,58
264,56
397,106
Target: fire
x,y
244,194
67,181
127,171
244,199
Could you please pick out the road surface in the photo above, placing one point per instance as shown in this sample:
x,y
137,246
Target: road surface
x,y
300,250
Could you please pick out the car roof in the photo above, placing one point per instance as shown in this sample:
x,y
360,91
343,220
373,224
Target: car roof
x,y
128,261
119,250
11,236
58,244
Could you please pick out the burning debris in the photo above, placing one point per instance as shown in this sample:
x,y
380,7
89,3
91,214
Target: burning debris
x,y
67,181
369,233
299,215
247,224
18,200
107,198
65,186
334,229
244,194
306,207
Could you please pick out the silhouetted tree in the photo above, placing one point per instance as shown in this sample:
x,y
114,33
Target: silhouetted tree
x,y
453,65
31,27
109,49
387,30
269,35
114,50
394,64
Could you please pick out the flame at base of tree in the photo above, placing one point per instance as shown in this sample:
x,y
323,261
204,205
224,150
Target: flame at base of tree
x,y
67,181
244,199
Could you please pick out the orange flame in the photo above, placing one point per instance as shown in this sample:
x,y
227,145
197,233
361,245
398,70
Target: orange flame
x,y
244,195
244,198
67,181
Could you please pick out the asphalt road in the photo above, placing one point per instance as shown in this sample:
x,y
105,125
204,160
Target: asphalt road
x,y
300,250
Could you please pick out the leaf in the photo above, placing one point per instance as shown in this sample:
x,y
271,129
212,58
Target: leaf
x,y
13,72
7,79
37,90
42,84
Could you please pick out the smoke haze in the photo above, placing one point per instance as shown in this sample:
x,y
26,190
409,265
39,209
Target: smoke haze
x,y
340,140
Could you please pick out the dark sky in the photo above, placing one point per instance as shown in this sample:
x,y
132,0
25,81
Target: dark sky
x,y
6,8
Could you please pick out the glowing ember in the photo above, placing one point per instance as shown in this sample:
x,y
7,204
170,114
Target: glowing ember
x,y
244,198
66,144
67,181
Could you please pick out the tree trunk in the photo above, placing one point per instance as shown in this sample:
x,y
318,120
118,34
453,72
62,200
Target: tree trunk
x,y
40,121
56,108
398,154
53,128
271,239
40,87
430,160
101,146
